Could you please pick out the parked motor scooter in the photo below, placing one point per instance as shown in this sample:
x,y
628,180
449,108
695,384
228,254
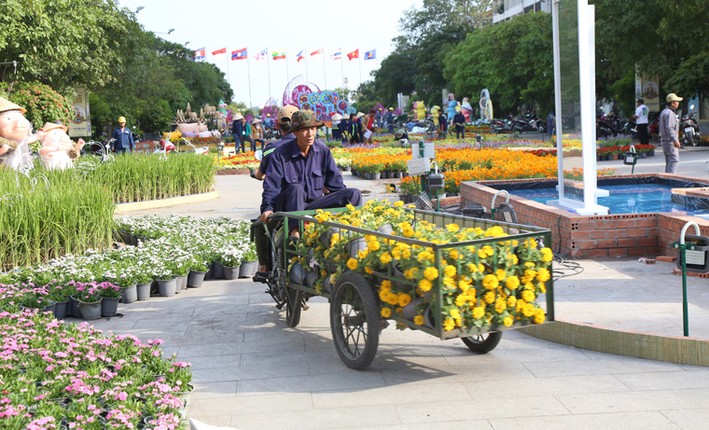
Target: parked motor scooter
x,y
690,129
500,126
527,122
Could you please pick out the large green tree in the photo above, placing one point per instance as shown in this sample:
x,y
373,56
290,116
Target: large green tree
x,y
513,60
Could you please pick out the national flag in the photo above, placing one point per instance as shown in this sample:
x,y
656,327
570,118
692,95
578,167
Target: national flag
x,y
239,54
316,52
278,55
219,51
261,55
300,56
199,54
354,54
337,55
370,55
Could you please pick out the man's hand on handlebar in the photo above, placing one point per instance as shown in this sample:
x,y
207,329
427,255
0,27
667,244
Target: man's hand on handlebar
x,y
265,216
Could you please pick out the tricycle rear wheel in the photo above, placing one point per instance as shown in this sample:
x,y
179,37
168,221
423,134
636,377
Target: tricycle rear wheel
x,y
294,306
482,343
354,320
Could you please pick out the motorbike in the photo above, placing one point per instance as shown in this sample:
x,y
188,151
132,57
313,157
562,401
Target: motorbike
x,y
500,126
609,125
690,129
630,128
527,122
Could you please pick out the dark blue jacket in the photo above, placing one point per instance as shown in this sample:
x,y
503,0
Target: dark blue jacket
x,y
288,166
270,148
123,140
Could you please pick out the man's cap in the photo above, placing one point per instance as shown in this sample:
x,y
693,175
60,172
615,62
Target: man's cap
x,y
121,119
304,119
238,116
285,113
7,105
672,97
49,126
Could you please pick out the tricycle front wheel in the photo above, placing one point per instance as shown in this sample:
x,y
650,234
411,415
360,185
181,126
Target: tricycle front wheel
x,y
482,343
354,320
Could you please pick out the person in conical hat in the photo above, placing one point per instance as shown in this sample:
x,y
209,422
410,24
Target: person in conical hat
x,y
58,150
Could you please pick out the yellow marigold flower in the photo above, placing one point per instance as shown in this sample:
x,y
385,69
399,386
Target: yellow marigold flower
x,y
529,275
463,285
513,259
385,284
528,310
449,282
386,312
529,286
542,288
501,274
489,297
478,312
508,321
512,282
452,227
460,300
424,256
512,302
453,254
418,320
482,253
411,273
396,253
398,204
490,282
404,299
472,267
369,270
539,316
425,285
543,274
385,258
362,253
448,324
373,245
407,231
528,296
406,253
454,313
500,305
352,264
430,273
547,255
393,299
449,271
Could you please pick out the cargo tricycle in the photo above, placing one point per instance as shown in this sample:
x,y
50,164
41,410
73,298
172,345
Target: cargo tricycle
x,y
448,275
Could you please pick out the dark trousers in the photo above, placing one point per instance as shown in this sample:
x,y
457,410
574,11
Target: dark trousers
x,y
459,131
643,134
262,241
293,198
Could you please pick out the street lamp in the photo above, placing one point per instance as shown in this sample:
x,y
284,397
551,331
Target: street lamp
x,y
139,8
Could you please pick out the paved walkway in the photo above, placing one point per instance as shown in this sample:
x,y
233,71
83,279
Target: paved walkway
x,y
252,372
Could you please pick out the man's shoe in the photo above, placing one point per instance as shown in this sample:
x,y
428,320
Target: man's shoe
x,y
261,277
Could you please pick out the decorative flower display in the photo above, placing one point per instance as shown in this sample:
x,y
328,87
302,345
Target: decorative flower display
x,y
93,381
463,278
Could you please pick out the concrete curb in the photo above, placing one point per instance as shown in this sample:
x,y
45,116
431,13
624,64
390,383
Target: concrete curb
x,y
152,204
671,349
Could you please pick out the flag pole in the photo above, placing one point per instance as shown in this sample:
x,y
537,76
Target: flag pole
x,y
324,72
359,60
305,57
248,74
268,72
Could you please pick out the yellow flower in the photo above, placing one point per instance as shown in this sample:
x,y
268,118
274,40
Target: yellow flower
x,y
352,264
373,245
512,282
411,273
463,285
460,300
512,258
430,273
383,294
539,316
369,270
386,284
424,256
449,282
543,274
547,255
425,285
528,296
512,302
406,253
500,305
398,204
453,254
418,320
508,321
385,258
490,282
501,274
350,207
449,271
404,299
489,297
392,299
453,227
386,312
448,324
478,312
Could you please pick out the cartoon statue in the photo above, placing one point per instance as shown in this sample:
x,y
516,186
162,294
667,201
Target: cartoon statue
x,y
435,113
420,110
58,151
15,136
467,109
